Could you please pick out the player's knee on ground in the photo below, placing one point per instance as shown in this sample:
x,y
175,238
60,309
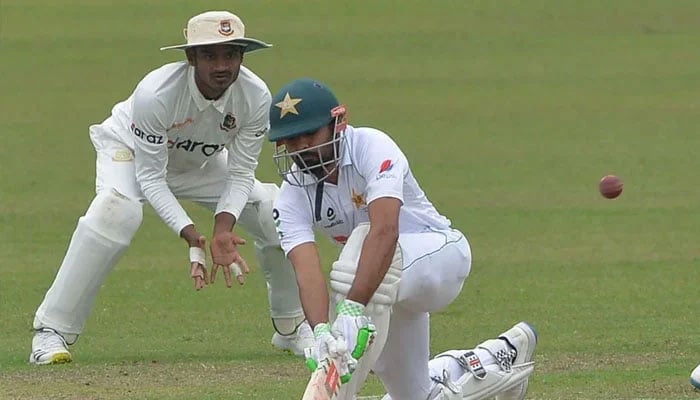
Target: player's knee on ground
x,y
480,381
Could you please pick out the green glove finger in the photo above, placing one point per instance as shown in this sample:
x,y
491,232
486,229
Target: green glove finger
x,y
363,341
345,378
311,364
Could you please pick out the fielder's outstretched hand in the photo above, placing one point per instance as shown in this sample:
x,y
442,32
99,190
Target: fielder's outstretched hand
x,y
354,327
198,257
224,254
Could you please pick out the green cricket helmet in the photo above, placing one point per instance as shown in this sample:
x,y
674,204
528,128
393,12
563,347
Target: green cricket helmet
x,y
302,107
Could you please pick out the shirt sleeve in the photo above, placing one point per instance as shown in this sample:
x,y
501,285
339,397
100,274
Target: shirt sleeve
x,y
243,154
293,217
151,158
383,165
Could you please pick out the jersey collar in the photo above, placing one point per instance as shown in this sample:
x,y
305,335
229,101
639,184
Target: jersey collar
x,y
201,102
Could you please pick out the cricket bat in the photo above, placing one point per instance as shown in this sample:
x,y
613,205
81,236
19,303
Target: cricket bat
x,y
324,383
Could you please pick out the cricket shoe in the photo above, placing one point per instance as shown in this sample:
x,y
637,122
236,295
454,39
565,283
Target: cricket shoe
x,y
302,338
49,347
522,338
695,377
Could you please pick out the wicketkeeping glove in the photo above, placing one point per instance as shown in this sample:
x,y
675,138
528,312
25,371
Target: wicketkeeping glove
x,y
354,326
327,346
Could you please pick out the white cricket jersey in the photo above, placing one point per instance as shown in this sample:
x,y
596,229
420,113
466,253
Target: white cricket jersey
x,y
172,129
372,166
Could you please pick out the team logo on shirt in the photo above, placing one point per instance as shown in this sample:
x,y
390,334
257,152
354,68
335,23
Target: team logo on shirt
x,y
358,199
228,123
385,170
386,166
225,28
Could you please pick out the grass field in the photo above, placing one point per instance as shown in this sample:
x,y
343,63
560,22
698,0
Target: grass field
x,y
510,111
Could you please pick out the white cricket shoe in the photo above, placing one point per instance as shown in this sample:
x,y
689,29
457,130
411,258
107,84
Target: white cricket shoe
x,y
695,377
523,338
302,338
49,347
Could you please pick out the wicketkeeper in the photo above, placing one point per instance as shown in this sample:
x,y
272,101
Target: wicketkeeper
x,y
191,130
400,258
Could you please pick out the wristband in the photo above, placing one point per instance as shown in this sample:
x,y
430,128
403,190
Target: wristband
x,y
198,255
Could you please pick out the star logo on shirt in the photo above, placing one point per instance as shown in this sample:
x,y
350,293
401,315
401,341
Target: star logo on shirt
x,y
358,199
287,105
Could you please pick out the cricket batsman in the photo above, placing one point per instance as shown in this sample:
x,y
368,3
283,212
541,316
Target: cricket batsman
x,y
191,130
400,259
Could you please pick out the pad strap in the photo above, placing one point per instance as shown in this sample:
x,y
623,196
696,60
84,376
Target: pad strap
x,y
471,362
501,352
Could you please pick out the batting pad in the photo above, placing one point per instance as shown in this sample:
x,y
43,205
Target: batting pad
x,y
378,309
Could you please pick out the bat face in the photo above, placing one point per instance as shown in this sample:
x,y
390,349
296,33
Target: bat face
x,y
324,383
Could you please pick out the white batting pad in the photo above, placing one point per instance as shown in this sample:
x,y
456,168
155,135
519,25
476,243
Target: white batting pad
x,y
379,308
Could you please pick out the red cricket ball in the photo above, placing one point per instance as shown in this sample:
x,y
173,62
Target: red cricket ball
x,y
610,186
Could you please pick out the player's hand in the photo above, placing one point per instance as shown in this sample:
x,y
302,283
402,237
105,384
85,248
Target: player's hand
x,y
198,271
224,254
354,327
325,346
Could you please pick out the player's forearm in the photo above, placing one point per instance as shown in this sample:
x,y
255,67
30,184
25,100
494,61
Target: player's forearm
x,y
313,294
242,161
166,205
313,291
235,194
375,260
190,235
223,222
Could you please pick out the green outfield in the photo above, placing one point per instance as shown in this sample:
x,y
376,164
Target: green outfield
x,y
509,110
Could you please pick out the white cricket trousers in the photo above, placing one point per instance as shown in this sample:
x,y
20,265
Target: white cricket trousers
x,y
435,266
203,186
69,301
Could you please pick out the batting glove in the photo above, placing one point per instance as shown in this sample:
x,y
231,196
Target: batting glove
x,y
354,326
326,346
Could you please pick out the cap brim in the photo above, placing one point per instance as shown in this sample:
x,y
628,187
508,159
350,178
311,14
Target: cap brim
x,y
297,128
248,43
